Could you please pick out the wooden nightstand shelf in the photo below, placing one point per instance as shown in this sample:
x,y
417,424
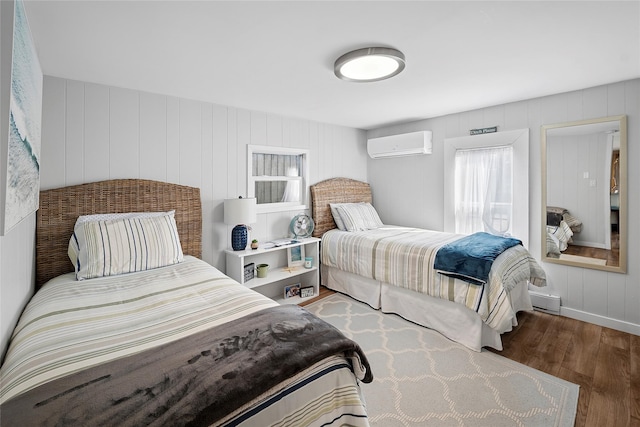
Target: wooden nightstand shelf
x,y
279,274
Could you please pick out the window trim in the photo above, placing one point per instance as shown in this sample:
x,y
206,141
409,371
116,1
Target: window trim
x,y
251,180
519,139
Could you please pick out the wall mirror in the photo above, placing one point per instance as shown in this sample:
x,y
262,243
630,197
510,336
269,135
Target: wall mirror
x,y
584,193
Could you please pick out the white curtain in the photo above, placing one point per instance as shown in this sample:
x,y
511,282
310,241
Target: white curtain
x,y
286,168
291,191
483,190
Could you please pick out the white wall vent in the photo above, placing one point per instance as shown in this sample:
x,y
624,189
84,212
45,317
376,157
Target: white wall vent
x,y
405,144
545,302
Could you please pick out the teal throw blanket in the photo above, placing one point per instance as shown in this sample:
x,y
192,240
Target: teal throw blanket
x,y
470,258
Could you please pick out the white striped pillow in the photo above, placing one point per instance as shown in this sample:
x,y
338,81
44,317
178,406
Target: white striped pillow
x,y
126,245
336,215
73,248
359,216
574,223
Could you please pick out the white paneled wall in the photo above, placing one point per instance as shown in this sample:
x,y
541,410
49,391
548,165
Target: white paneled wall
x,y
93,132
17,275
408,191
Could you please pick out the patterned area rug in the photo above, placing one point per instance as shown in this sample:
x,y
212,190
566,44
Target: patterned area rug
x,y
423,378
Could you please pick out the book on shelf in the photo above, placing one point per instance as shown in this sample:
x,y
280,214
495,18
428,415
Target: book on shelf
x,y
283,242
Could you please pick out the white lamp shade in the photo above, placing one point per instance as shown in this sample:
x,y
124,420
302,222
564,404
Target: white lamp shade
x,y
239,211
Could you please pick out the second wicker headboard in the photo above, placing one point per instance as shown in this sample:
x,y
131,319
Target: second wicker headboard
x,y
60,207
335,190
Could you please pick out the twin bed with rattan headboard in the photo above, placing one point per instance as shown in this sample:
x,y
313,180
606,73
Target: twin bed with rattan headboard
x,y
130,327
407,270
60,207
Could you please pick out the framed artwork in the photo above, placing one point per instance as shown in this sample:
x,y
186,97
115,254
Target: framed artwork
x,y
292,291
21,189
295,256
306,292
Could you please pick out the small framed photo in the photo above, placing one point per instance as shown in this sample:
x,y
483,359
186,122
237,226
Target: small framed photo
x,y
306,292
295,256
292,291
249,271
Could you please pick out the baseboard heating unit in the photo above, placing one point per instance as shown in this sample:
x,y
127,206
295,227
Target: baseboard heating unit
x,y
545,302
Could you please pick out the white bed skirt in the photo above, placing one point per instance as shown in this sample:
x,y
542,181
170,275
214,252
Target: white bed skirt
x,y
452,320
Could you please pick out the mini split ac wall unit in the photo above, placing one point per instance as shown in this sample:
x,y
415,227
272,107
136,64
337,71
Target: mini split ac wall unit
x,y
405,144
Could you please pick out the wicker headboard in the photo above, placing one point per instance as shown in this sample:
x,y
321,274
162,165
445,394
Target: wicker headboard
x,y
60,207
335,190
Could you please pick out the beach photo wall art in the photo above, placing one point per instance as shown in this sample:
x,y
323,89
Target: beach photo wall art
x,y
22,160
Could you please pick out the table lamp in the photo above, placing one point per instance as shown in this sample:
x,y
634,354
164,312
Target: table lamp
x,y
240,212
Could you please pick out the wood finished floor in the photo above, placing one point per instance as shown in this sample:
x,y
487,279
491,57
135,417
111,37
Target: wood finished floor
x,y
604,362
611,256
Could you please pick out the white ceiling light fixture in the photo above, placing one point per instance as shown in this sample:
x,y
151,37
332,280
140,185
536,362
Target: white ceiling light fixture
x,y
370,64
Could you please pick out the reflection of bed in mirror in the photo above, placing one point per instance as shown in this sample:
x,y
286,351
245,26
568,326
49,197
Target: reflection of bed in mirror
x,y
561,227
584,181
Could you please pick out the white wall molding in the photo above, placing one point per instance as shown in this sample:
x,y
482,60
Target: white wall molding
x,y
599,320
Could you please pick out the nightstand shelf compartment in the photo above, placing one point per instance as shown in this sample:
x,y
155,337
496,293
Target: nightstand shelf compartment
x,y
279,275
275,275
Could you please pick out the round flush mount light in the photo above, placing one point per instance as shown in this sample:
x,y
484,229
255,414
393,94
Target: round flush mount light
x,y
370,64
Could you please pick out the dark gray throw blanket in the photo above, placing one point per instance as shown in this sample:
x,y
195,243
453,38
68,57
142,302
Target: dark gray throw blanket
x,y
193,381
471,257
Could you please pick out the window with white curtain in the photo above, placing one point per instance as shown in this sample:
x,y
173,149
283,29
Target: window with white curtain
x,y
277,177
484,190
498,213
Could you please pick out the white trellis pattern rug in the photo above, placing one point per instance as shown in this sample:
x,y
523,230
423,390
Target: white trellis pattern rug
x,y
422,378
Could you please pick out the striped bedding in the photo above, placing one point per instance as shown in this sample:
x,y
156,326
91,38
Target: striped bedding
x,y
404,257
561,235
72,325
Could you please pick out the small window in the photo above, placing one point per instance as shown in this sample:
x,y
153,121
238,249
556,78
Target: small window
x,y
278,177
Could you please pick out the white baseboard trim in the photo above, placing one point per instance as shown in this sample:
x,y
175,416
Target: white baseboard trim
x,y
597,319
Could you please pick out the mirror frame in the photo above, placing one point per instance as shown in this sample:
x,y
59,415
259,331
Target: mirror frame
x,y
623,213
